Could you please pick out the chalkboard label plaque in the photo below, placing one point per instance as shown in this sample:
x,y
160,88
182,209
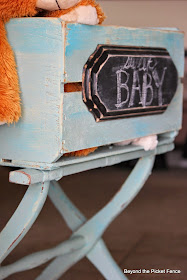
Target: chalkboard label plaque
x,y
120,81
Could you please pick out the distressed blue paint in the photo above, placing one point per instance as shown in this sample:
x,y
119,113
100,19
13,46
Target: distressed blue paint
x,y
46,31
74,219
73,37
38,46
92,230
81,41
39,258
83,131
54,122
104,156
23,218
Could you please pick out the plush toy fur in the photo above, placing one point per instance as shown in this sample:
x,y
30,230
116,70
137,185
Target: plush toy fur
x,y
81,153
10,109
148,142
10,102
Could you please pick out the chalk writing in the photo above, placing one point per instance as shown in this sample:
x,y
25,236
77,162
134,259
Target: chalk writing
x,y
121,85
144,68
120,81
140,63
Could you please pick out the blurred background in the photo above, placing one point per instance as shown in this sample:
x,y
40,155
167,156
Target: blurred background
x,y
152,231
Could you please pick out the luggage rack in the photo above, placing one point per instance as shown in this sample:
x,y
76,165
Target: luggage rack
x,y
86,235
56,122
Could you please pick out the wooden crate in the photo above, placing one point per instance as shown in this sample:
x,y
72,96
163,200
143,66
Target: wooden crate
x,y
50,54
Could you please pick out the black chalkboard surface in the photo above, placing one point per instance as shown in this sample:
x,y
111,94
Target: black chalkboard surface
x,y
121,81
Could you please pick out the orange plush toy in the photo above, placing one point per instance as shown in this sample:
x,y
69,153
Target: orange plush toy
x,y
81,11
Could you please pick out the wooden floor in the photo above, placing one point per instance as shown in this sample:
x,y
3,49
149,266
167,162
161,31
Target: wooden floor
x,y
151,233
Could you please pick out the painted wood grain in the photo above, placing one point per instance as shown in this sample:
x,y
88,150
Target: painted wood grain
x,y
38,47
81,42
80,129
48,52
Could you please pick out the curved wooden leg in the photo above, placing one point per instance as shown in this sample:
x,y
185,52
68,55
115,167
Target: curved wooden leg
x,y
23,218
101,258
95,227
39,258
74,219
70,213
86,234
59,266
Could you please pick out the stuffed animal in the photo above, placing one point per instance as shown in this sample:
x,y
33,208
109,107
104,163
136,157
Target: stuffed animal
x,y
148,142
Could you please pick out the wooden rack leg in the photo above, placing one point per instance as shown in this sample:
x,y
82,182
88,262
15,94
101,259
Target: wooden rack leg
x,y
23,218
100,257
95,227
86,238
39,258
74,219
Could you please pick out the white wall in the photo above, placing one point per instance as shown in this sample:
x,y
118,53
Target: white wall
x,y
146,13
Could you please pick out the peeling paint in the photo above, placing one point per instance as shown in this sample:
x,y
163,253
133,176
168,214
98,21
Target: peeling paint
x,y
123,205
35,207
64,149
27,179
15,240
27,175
